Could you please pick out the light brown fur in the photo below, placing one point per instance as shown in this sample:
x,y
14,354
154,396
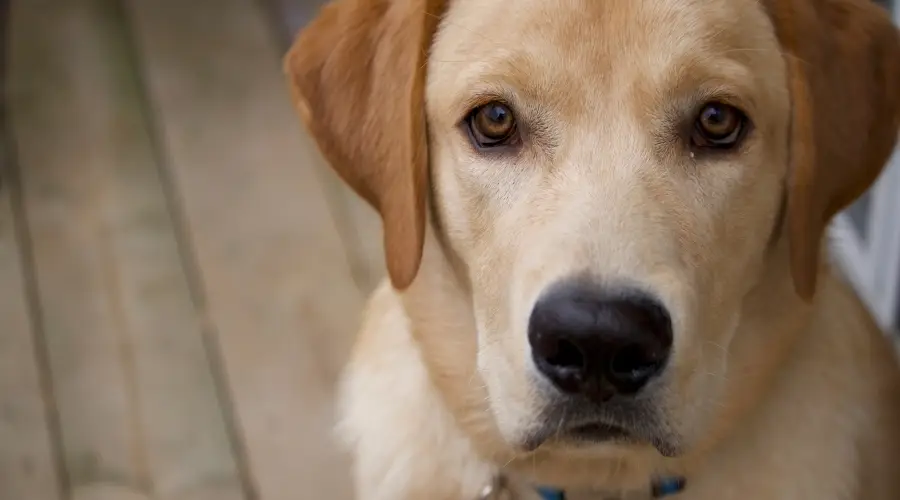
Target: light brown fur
x,y
780,386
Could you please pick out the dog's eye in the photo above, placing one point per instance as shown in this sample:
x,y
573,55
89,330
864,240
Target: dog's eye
x,y
492,125
718,126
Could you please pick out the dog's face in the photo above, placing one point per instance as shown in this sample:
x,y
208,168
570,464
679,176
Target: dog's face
x,y
610,176
611,181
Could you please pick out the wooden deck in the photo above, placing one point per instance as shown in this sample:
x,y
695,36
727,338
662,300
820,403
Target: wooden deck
x,y
180,274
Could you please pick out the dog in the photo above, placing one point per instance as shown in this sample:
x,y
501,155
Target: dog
x,y
604,228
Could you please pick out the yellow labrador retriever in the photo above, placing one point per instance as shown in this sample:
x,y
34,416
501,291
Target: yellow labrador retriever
x,y
603,222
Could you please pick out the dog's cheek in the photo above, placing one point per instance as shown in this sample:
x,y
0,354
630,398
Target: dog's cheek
x,y
503,309
512,400
691,386
708,387
456,215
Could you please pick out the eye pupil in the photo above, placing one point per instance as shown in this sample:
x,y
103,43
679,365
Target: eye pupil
x,y
491,125
497,114
714,115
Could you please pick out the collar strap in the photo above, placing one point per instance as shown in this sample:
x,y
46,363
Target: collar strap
x,y
551,494
667,486
660,488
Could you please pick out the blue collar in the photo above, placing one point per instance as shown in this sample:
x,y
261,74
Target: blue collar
x,y
666,486
551,494
662,487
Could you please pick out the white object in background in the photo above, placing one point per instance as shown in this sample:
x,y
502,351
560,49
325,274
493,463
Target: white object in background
x,y
870,255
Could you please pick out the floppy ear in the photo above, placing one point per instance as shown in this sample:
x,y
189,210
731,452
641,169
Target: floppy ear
x,y
843,58
357,75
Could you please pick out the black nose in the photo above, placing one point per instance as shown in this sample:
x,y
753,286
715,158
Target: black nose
x,y
597,342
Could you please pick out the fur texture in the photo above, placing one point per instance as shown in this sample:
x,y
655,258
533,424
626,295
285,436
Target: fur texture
x,y
779,385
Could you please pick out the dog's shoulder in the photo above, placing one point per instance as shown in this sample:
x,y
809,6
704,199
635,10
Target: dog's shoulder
x,y
404,442
827,427
842,331
837,403
872,376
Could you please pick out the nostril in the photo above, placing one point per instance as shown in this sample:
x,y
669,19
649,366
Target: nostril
x,y
632,366
561,360
565,354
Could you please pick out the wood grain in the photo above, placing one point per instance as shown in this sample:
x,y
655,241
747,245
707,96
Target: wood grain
x,y
27,464
136,397
274,270
358,224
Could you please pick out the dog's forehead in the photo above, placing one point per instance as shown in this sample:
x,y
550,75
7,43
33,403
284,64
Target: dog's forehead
x,y
576,47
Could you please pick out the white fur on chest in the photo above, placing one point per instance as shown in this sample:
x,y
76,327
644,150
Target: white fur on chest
x,y
405,444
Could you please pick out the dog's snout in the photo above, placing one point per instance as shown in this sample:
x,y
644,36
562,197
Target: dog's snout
x,y
599,342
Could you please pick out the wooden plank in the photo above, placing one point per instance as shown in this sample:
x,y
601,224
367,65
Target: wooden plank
x,y
136,397
276,275
27,463
27,458
358,225
360,229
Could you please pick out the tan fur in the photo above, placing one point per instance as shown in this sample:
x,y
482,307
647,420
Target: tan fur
x,y
780,386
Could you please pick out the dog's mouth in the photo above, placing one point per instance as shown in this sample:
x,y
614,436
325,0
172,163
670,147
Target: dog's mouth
x,y
570,426
603,433
599,432
580,435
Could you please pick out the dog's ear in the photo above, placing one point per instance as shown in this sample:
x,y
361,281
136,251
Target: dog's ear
x,y
843,58
357,76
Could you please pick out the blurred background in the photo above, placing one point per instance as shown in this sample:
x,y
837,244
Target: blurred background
x,y
181,276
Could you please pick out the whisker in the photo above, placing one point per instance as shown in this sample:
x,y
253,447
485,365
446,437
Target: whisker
x,y
560,425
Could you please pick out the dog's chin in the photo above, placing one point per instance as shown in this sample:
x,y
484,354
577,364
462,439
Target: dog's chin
x,y
599,437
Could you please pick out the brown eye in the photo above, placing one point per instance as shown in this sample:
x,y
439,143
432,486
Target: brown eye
x,y
492,125
719,126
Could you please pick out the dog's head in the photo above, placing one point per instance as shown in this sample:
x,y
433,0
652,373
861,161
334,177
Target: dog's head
x,y
612,177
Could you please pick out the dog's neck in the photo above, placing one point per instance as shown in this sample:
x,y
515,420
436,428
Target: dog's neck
x,y
441,315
